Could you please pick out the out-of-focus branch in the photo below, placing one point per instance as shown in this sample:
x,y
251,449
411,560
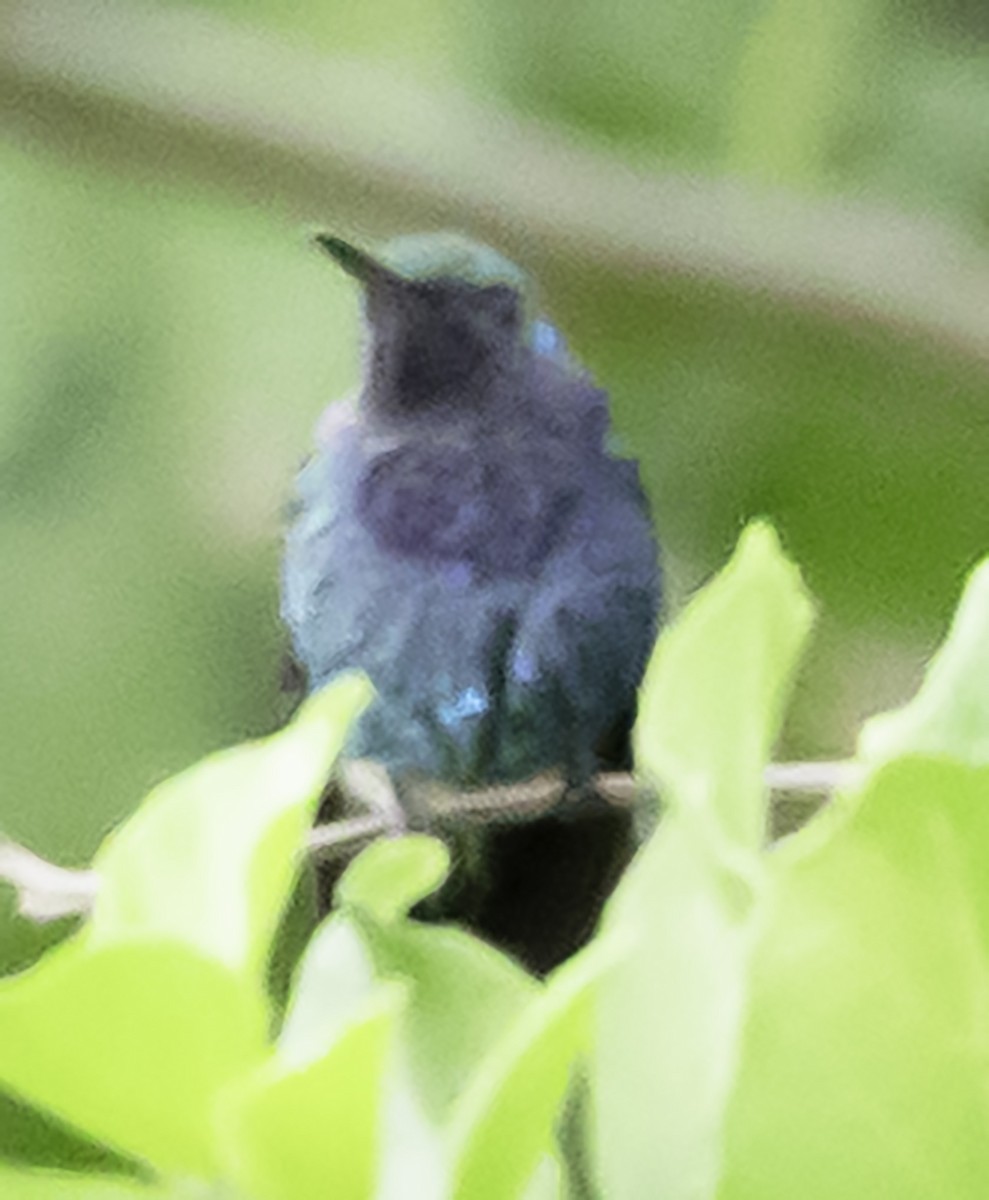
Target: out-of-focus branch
x,y
187,98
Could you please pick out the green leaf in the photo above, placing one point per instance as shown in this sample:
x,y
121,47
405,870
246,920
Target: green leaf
x,y
463,993
504,1125
392,875
305,1132
128,1030
338,984
546,1182
669,1019
863,1067
463,996
299,920
61,1185
210,856
129,1043
335,982
669,1016
950,713
713,694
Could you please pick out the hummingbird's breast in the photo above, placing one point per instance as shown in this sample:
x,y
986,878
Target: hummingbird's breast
x,y
496,508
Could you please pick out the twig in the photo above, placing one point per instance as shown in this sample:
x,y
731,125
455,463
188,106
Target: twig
x,y
820,777
339,837
371,786
186,97
505,802
45,892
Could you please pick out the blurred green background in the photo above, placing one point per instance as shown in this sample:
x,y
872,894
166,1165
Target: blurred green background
x,y
166,347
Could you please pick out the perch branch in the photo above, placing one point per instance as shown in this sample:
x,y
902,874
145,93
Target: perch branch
x,y
185,97
46,891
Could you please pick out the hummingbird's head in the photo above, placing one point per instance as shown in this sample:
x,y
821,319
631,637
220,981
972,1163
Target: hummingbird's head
x,y
447,318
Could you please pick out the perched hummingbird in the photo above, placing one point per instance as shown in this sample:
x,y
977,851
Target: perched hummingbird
x,y
464,535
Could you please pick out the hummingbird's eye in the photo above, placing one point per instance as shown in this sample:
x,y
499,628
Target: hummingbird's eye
x,y
502,303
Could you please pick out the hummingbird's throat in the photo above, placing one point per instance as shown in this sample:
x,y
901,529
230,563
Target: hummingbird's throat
x,y
418,373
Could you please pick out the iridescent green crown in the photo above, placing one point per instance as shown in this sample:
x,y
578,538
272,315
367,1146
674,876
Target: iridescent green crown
x,y
451,255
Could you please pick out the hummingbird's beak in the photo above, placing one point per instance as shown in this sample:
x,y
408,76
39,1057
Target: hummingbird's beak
x,y
355,262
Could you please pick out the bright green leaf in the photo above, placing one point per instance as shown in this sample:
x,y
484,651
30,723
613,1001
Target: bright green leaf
x,y
336,980
669,1019
129,1043
61,1185
463,993
209,858
463,996
313,1131
950,713
866,1048
546,1182
669,1016
414,1155
338,984
392,875
504,1125
713,694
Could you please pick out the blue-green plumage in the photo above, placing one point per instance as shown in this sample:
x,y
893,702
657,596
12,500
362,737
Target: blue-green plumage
x,y
474,548
464,534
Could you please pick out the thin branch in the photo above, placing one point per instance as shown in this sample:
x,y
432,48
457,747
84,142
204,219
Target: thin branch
x,y
505,802
340,838
45,892
187,98
819,777
369,784
534,797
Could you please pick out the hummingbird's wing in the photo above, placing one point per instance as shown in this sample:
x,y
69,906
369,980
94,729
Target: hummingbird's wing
x,y
381,573
587,628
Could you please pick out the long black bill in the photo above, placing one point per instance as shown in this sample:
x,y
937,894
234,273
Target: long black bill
x,y
355,262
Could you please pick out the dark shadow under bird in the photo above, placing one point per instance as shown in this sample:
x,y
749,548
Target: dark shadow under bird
x,y
466,537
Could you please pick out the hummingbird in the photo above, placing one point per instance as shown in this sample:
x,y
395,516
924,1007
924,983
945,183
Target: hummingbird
x,y
466,535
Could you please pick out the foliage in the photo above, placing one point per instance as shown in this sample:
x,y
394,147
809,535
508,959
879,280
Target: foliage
x,y
799,345
748,1022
